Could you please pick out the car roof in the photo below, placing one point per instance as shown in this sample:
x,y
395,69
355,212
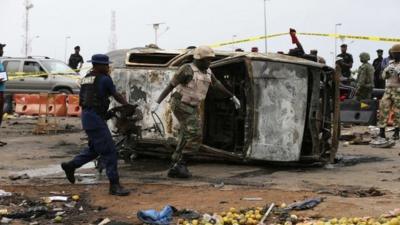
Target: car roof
x,y
276,57
41,58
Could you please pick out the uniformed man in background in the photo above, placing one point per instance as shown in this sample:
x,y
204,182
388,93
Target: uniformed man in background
x,y
347,63
76,60
191,84
365,78
377,64
391,98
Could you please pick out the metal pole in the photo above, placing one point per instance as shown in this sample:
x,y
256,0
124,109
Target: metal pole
x,y
26,29
265,25
155,36
28,6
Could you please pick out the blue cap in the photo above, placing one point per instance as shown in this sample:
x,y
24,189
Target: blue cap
x,y
100,59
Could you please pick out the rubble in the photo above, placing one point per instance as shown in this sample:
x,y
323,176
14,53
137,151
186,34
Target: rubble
x,y
19,176
306,204
43,210
5,193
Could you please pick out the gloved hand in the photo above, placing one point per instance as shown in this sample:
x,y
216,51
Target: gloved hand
x,y
392,70
236,102
155,107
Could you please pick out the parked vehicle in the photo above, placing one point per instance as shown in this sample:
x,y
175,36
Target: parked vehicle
x,y
289,110
38,75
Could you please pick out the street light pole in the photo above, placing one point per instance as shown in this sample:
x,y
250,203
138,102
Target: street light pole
x,y
66,47
156,26
28,6
336,34
265,25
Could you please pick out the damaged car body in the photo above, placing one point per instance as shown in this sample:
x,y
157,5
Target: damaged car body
x,y
288,112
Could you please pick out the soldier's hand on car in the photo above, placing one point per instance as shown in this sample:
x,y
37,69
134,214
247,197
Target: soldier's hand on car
x,y
155,107
236,102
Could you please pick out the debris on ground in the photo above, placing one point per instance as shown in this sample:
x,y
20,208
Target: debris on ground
x,y
44,210
374,131
355,138
361,193
5,193
187,214
348,136
386,219
360,139
104,221
55,199
306,204
154,217
281,215
19,176
382,143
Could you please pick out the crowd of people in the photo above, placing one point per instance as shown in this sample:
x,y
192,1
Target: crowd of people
x,y
383,73
369,75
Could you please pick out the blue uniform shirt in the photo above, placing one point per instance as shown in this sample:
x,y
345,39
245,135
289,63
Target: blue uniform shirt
x,y
90,119
2,86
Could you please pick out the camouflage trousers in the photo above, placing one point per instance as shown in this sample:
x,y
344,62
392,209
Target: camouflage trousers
x,y
190,133
364,93
389,101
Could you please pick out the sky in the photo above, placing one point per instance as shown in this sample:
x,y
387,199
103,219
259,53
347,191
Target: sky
x,y
194,22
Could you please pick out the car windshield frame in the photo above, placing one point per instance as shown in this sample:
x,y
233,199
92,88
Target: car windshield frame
x,y
52,67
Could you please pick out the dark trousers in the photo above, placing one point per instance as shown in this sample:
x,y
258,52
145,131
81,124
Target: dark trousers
x,y
100,144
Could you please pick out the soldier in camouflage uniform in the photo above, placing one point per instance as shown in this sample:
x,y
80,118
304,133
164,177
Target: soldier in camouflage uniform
x,y
191,84
391,98
365,78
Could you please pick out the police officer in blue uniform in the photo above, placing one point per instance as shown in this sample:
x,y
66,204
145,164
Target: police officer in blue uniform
x,y
96,88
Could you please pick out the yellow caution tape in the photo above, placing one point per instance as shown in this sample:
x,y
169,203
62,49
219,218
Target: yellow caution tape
x,y
256,38
19,75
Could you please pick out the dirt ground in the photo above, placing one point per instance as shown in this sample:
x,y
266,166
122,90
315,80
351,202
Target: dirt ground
x,y
347,186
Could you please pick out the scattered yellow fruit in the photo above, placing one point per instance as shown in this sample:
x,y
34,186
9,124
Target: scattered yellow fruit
x,y
75,197
58,219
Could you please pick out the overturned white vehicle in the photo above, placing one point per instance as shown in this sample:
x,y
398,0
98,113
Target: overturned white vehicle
x,y
289,111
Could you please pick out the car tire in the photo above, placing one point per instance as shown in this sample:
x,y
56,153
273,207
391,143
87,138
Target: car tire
x,y
64,91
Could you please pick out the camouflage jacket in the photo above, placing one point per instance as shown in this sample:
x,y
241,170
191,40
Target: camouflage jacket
x,y
391,73
365,78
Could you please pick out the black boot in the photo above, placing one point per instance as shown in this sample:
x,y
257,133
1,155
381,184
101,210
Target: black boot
x,y
179,170
117,189
69,170
382,133
396,134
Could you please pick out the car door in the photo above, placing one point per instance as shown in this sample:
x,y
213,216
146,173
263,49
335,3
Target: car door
x,y
34,79
13,68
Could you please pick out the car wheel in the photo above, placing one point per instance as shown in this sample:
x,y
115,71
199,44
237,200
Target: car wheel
x,y
64,91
